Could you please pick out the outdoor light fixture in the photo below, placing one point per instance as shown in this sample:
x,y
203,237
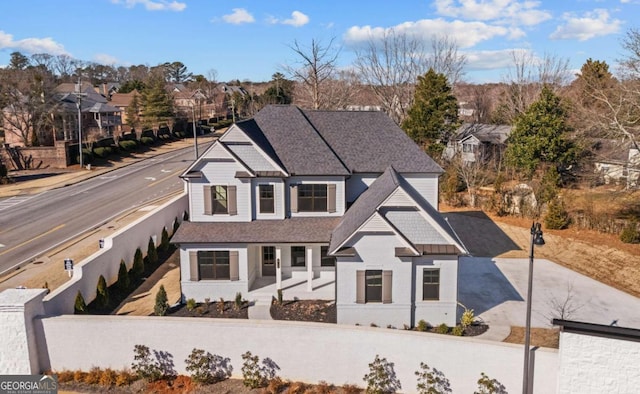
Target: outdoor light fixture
x,y
536,239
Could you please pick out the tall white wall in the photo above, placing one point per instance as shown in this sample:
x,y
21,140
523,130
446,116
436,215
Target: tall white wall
x,y
298,348
120,246
592,364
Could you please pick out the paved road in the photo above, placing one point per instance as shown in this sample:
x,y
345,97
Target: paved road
x,y
31,225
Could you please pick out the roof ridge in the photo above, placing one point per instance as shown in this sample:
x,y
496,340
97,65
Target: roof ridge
x,y
315,129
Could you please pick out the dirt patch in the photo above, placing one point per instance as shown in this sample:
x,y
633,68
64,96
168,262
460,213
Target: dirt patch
x,y
542,337
320,311
225,310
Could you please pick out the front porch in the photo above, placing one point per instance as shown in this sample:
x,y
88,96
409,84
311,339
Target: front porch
x,y
294,287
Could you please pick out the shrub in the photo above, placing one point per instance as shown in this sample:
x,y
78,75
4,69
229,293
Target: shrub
x,y
127,145
278,385
80,307
442,329
93,376
144,365
78,376
102,293
381,377
164,240
422,326
102,151
630,233
137,269
176,224
351,389
162,305
457,330
147,140
489,386
125,378
152,253
221,306
206,367
432,381
108,377
238,301
64,376
123,281
294,387
191,304
467,318
255,375
557,217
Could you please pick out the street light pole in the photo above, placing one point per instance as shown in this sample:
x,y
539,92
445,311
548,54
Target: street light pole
x,y
78,93
195,135
536,239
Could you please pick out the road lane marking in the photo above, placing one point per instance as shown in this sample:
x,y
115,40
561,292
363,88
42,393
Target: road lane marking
x,y
33,239
150,178
15,200
164,179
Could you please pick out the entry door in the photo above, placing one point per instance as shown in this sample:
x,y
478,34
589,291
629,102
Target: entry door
x,y
268,261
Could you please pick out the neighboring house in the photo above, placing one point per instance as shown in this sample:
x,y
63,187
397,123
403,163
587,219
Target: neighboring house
x,y
475,139
618,162
122,101
321,199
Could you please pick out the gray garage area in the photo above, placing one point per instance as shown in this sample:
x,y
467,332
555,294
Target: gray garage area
x,y
496,288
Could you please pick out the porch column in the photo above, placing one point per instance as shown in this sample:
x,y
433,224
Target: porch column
x,y
278,268
309,261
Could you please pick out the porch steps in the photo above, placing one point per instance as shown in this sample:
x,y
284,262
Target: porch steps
x,y
260,310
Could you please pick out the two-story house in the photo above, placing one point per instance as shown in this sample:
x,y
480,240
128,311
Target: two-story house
x,y
336,198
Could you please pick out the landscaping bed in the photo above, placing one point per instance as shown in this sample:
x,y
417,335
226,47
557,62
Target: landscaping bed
x,y
228,310
320,311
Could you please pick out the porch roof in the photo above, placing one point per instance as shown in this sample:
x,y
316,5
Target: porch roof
x,y
293,230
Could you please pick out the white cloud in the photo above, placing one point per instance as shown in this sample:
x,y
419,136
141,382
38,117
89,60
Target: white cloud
x,y
525,12
297,19
465,34
239,16
103,58
589,25
154,5
32,45
493,60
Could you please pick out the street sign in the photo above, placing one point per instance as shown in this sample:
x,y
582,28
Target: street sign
x,y
68,266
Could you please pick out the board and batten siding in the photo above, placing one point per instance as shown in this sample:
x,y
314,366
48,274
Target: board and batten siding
x,y
337,181
426,185
279,198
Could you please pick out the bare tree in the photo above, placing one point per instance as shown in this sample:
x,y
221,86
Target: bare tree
x,y
316,66
475,169
564,307
445,59
64,66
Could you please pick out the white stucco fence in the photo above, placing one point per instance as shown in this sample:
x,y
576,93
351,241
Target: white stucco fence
x,y
120,246
308,352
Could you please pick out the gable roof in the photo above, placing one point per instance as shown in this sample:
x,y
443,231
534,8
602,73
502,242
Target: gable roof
x,y
489,133
370,141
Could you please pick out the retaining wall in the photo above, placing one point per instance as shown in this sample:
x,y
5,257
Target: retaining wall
x,y
120,246
308,352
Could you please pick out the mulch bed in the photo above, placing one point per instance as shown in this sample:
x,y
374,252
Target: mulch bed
x,y
320,311
473,330
212,309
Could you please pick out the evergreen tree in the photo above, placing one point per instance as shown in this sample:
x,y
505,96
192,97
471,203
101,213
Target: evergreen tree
x,y
280,91
102,293
123,282
80,307
164,241
557,217
157,103
152,253
137,269
162,305
177,72
433,117
540,136
133,111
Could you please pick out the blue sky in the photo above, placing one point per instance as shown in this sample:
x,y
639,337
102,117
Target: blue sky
x,y
249,40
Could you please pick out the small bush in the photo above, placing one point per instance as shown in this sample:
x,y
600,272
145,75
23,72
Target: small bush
x,y
78,376
191,304
432,381
93,376
144,365
630,233
147,140
137,269
152,253
206,367
80,307
351,389
64,376
294,387
276,386
422,326
102,151
381,377
176,225
108,377
162,305
128,145
125,378
238,301
487,385
467,318
255,375
102,293
442,329
123,282
221,306
557,217
457,330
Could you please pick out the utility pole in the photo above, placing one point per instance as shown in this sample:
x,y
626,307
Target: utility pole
x,y
78,93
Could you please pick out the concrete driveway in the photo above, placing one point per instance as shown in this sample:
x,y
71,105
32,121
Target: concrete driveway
x,y
496,289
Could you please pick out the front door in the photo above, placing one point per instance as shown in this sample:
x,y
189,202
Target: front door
x,y
268,261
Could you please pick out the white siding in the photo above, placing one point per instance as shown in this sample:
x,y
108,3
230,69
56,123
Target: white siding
x,y
399,198
443,310
252,157
340,196
279,195
234,134
375,252
376,223
426,185
213,289
220,173
356,185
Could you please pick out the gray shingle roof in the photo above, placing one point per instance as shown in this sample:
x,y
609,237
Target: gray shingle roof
x,y
294,230
491,133
364,207
298,145
369,141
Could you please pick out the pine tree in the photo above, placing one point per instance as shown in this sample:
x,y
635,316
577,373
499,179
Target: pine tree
x,y
137,269
162,305
157,103
540,136
123,282
433,117
102,293
80,307
133,111
152,253
164,241
557,217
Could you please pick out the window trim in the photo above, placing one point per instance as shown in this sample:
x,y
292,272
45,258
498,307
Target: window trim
x,y
273,199
430,284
